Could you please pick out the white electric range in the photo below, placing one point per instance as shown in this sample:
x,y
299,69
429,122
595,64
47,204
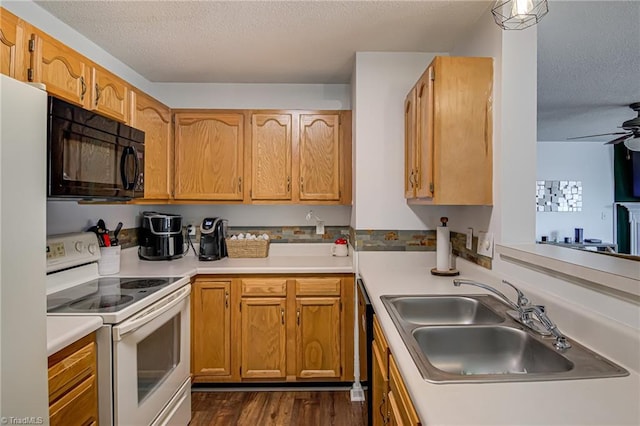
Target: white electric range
x,y
143,347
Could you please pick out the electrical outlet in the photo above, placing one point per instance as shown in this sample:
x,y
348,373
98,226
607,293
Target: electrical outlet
x,y
320,227
191,229
469,243
485,244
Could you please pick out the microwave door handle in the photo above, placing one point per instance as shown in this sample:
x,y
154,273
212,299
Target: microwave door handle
x,y
123,169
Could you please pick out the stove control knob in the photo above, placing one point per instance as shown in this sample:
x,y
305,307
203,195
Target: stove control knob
x,y
79,246
93,248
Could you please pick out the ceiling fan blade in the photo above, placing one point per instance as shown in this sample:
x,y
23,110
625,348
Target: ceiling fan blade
x,y
603,134
620,139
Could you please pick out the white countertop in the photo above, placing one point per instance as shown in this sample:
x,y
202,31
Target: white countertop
x,y
295,258
593,401
62,331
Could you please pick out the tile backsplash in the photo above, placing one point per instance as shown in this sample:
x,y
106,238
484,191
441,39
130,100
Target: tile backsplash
x,y
361,239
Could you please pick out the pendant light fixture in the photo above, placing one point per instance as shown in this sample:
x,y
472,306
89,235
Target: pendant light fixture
x,y
519,14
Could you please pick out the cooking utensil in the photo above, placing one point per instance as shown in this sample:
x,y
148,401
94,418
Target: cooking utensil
x,y
115,234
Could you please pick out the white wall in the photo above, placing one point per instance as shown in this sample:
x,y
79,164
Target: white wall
x,y
382,82
592,164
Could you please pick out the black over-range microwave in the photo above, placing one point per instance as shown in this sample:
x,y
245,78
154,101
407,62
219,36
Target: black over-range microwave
x,y
91,156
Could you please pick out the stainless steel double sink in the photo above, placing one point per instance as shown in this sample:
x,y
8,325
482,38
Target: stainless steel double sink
x,y
470,338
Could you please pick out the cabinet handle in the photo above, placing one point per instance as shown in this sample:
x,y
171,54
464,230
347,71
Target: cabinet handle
x,y
384,417
282,315
301,184
288,184
97,94
226,299
298,316
239,183
84,88
411,179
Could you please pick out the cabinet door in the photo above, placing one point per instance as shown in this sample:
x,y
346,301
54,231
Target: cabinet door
x,y
64,71
208,156
379,388
154,119
424,149
271,157
11,45
401,409
410,144
109,95
319,151
264,336
211,329
77,407
318,337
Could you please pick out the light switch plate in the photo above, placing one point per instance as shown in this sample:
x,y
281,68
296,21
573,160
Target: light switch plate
x,y
469,243
485,244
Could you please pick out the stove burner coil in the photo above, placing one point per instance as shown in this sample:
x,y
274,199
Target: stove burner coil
x,y
101,302
144,283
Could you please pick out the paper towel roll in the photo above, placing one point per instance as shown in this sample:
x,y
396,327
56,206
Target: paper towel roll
x,y
442,248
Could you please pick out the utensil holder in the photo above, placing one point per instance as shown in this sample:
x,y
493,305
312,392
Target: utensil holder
x,y
109,262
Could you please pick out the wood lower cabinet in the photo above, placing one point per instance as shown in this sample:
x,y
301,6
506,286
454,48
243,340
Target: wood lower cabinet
x,y
391,402
284,328
264,338
448,133
209,156
154,119
73,387
211,328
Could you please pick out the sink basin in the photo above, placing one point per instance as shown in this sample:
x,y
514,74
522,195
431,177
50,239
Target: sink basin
x,y
488,350
472,339
444,310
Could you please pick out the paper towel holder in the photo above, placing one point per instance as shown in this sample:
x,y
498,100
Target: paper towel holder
x,y
452,272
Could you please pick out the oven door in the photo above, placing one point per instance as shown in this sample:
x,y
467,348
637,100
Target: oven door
x,y
151,359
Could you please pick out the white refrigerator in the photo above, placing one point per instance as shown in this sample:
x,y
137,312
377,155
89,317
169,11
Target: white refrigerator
x,y
23,184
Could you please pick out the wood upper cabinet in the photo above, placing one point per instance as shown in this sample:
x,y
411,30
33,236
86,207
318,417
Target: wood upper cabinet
x,y
211,328
410,144
452,136
154,119
12,45
109,95
63,70
319,150
209,156
271,152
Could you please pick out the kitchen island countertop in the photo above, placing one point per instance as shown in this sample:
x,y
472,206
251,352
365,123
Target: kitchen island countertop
x,y
612,401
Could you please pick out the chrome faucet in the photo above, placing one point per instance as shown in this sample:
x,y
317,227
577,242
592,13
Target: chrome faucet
x,y
524,312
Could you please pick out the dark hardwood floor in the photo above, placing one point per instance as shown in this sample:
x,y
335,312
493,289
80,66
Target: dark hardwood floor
x,y
262,408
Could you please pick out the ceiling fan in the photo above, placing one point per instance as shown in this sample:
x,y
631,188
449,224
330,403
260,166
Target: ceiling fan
x,y
630,137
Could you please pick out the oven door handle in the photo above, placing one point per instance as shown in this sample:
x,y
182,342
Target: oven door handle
x,y
150,313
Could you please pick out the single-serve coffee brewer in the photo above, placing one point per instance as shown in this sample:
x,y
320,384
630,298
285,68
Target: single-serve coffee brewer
x,y
213,232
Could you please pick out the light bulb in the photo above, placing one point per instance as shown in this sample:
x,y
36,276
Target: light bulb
x,y
521,8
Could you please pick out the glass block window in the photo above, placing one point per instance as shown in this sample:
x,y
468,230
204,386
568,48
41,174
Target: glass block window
x,y
558,196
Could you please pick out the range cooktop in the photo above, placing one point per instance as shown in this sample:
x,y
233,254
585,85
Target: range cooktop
x,y
105,295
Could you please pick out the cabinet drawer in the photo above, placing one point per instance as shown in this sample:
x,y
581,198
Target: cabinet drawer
x,y
77,407
264,287
398,389
381,343
77,362
318,287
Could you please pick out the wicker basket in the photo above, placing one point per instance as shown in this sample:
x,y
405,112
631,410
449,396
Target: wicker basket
x,y
247,248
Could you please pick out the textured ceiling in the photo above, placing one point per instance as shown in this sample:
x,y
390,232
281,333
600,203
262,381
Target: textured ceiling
x,y
588,52
262,41
588,68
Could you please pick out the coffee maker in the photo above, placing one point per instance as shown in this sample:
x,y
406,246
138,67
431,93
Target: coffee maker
x,y
213,232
